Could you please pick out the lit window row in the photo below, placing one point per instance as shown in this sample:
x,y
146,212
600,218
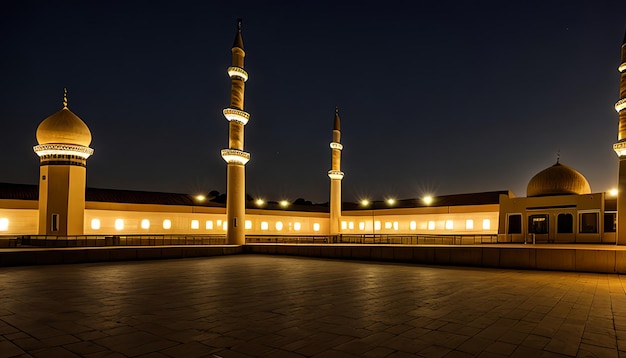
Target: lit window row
x,y
4,224
145,224
431,225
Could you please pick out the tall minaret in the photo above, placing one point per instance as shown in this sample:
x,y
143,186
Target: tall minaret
x,y
336,175
620,149
234,154
63,151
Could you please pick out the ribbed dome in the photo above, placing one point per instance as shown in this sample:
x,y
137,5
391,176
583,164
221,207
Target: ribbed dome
x,y
63,127
558,179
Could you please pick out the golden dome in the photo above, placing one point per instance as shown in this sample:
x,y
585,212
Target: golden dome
x,y
64,127
558,179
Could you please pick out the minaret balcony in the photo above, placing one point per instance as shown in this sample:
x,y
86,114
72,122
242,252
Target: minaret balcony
x,y
49,150
238,72
235,156
236,115
335,145
620,148
622,67
620,105
335,174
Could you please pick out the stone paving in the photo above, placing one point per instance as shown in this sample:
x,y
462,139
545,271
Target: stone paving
x,y
268,306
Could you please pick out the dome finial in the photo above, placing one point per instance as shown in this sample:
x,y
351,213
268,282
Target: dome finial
x,y
64,97
558,156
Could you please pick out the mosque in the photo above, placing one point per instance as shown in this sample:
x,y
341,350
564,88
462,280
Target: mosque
x,y
559,206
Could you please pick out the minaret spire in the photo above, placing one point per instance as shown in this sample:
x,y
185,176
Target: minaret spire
x,y
336,175
620,149
234,155
64,97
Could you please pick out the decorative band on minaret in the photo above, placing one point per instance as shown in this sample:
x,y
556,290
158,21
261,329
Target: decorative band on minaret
x,y
234,155
620,149
336,175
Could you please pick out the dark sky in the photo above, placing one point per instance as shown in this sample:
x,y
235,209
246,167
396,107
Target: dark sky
x,y
440,97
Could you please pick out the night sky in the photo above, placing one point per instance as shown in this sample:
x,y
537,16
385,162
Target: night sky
x,y
435,97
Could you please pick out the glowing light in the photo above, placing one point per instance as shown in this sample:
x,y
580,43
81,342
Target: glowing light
x,y
469,224
621,104
224,225
200,197
365,202
486,224
209,225
219,222
613,192
95,224
428,200
622,67
167,224
195,224
362,225
237,115
376,225
396,226
119,224
391,201
431,225
620,148
63,149
297,226
145,224
260,202
344,225
335,174
388,225
279,225
264,225
248,225
449,224
412,225
284,203
235,156
351,225
235,71
316,227
4,224
335,145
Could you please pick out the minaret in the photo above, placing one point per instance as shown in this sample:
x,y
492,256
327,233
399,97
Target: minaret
x,y
620,149
234,154
336,175
63,151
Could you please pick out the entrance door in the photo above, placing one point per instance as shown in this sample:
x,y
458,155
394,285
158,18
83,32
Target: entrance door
x,y
539,226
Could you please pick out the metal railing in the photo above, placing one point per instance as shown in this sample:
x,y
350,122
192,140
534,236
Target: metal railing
x,y
114,240
378,239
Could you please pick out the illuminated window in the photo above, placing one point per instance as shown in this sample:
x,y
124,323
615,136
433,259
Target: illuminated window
x,y
297,226
279,225
119,224
388,225
486,224
351,225
95,224
449,224
264,225
316,227
344,225
538,224
469,224
396,225
376,225
362,225
209,224
412,225
145,224
248,224
219,222
167,224
195,224
431,225
224,225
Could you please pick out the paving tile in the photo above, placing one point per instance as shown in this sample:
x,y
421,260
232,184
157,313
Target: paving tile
x,y
252,305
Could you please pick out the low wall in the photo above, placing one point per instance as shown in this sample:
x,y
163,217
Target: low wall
x,y
602,259
52,256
